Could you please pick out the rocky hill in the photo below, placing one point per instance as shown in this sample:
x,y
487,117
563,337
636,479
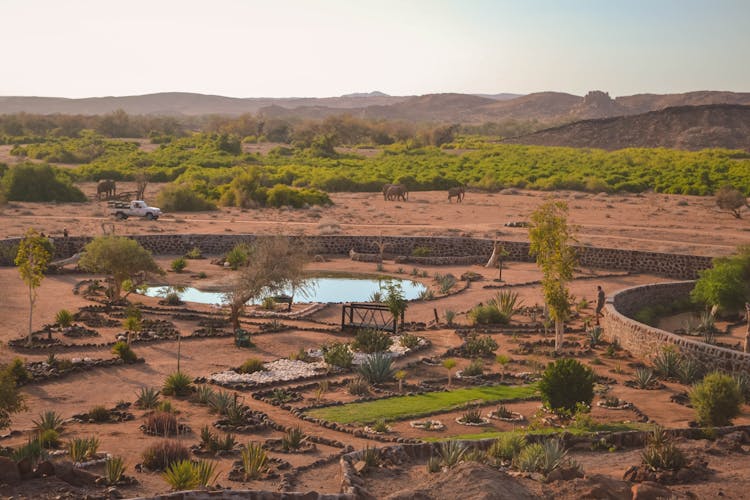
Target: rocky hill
x,y
683,127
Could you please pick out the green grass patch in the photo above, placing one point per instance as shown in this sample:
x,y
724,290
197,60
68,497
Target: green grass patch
x,y
611,427
403,407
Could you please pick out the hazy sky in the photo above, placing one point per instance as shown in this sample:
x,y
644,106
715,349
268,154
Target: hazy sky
x,y
275,48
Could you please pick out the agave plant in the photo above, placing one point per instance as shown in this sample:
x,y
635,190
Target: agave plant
x,y
293,439
689,371
220,402
371,457
50,419
377,368
451,452
181,475
147,398
254,461
507,303
666,362
204,394
507,446
114,468
643,378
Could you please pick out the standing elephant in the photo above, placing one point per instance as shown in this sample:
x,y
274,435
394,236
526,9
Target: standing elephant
x,y
456,192
108,187
397,192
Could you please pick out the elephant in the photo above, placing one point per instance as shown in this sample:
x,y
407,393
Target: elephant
x,y
456,192
108,187
397,192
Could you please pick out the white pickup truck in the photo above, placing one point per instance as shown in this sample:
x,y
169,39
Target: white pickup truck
x,y
136,208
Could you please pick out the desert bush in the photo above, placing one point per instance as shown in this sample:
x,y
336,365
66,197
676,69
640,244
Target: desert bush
x,y
667,362
49,438
731,199
377,368
507,446
49,420
507,303
338,354
473,416
114,468
661,453
451,452
474,368
18,372
159,455
194,253
643,378
32,450
293,439
409,341
162,423
38,182
98,414
177,384
371,341
147,398
358,387
181,198
123,351
220,402
180,475
446,282
476,346
238,255
64,318
716,399
252,365
566,383
179,264
254,461
81,449
486,315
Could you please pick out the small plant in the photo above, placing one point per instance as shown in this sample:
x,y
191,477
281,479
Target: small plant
x,y
449,316
181,475
50,419
717,399
689,371
162,423
426,294
379,267
612,402
204,394
371,457
475,369
434,464
321,389
98,414
370,341
147,398
338,354
166,406
476,346
201,275
123,351
114,468
49,438
381,427
81,449
159,455
449,364
179,264
280,396
486,315
409,341
446,283
503,412
643,378
582,304
530,458
667,361
205,473
421,251
254,461
742,379
472,417
565,383
451,453
507,447
301,355
32,450
377,368
400,376
252,365
502,360
236,413
221,401
595,336
194,253
172,298
376,296
293,439
358,387
661,453
64,318
507,303
268,303
177,384
237,256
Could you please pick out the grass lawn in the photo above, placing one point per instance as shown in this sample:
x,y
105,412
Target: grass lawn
x,y
403,407
613,427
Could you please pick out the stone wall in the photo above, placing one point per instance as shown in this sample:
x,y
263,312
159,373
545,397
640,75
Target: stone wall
x,y
671,265
645,341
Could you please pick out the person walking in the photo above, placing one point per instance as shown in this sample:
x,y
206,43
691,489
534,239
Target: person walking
x,y
600,298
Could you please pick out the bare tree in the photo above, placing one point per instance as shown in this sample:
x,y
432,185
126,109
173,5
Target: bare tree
x,y
731,200
274,264
141,181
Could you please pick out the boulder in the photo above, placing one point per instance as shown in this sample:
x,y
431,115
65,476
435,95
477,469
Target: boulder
x,y
564,474
605,488
651,491
44,469
9,471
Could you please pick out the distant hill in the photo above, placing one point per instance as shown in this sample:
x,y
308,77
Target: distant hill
x,y
547,108
682,127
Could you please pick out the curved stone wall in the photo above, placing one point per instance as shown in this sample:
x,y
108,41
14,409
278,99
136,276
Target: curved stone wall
x,y
664,264
644,341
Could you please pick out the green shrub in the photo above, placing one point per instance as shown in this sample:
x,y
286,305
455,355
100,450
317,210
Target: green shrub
x,y
667,362
159,455
507,304
716,399
36,182
32,450
358,387
486,315
475,368
268,303
49,420
661,453
181,198
194,253
17,370
541,457
337,354
566,383
49,438
252,365
254,461
147,398
64,318
451,452
82,449
409,341
177,384
114,468
507,446
421,251
238,255
476,346
370,341
179,264
98,414
377,368
220,402
124,352
644,378
293,439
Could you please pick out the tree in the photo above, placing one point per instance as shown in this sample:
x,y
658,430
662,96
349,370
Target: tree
x,y
34,254
726,284
396,302
122,258
731,199
551,239
274,263
11,399
565,383
717,399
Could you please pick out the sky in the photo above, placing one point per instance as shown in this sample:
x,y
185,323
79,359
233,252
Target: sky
x,y
319,48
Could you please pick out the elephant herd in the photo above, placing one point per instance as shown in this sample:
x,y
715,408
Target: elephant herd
x,y
399,192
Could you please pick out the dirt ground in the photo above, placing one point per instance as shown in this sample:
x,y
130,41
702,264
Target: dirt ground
x,y
648,222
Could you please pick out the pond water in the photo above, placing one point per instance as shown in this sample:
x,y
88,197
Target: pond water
x,y
323,290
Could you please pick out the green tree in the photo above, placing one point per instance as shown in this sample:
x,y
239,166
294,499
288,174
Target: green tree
x,y
551,239
32,182
122,258
726,284
717,399
565,383
11,399
34,254
396,302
